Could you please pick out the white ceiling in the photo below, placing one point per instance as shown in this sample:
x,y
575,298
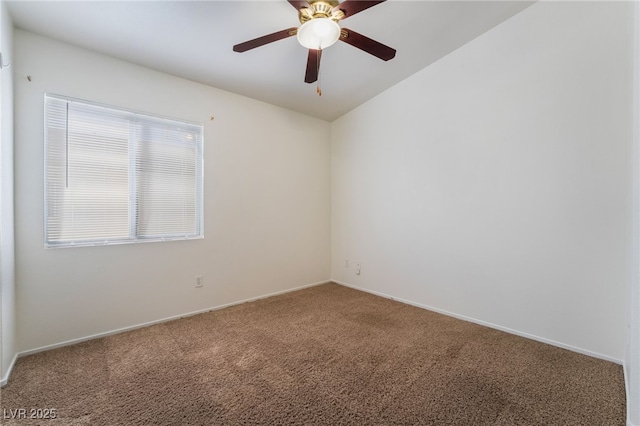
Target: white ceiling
x,y
194,39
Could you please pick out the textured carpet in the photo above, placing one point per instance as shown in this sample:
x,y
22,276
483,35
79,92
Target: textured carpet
x,y
325,355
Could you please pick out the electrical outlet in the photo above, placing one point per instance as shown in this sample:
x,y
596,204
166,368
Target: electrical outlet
x,y
199,281
358,268
346,263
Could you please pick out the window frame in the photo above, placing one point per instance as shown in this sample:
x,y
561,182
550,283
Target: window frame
x,y
134,201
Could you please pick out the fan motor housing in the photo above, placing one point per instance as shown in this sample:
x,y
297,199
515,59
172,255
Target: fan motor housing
x,y
320,9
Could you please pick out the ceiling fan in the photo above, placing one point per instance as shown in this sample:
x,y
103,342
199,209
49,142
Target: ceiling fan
x,y
320,29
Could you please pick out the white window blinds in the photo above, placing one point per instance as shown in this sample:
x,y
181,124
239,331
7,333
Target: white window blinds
x,y
114,176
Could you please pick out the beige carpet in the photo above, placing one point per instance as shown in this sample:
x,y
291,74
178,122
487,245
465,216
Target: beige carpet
x,y
326,355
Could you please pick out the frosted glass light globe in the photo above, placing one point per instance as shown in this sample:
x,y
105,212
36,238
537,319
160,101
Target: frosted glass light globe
x,y
318,33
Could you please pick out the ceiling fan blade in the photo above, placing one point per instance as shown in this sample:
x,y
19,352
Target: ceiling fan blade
x,y
351,7
313,66
370,46
261,41
298,4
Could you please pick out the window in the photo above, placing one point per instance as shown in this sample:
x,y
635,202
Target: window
x,y
114,176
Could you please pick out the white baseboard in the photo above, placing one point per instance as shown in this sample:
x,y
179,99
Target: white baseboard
x,y
159,321
487,324
5,379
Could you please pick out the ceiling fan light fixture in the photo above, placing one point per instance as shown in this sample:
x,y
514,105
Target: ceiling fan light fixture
x,y
318,33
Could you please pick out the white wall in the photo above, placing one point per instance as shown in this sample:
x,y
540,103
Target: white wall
x,y
7,268
267,198
632,354
495,184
